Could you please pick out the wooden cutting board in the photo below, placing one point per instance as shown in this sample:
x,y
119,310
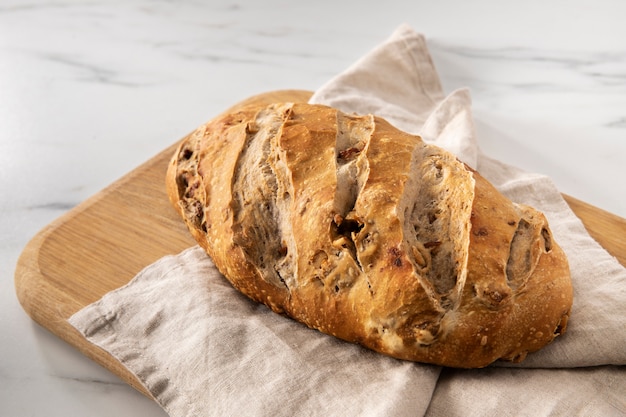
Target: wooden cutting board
x,y
105,241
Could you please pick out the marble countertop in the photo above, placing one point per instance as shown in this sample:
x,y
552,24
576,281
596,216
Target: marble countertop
x,y
89,90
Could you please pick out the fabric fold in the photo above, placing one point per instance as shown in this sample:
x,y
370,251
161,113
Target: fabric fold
x,y
202,348
397,81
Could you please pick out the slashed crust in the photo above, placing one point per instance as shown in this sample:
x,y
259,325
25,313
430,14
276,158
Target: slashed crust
x,y
367,233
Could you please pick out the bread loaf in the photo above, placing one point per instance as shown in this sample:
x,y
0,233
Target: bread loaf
x,y
369,234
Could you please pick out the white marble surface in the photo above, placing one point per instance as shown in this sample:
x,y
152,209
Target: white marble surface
x,y
89,90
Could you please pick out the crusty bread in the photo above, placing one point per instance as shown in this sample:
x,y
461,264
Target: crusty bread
x,y
367,233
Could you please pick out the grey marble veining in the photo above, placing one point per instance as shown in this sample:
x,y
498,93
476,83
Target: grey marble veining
x,y
89,90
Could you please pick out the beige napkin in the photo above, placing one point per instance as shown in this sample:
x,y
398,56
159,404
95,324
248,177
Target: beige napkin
x,y
203,349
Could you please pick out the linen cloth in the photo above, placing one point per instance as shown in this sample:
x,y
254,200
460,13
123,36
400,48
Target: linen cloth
x,y
203,349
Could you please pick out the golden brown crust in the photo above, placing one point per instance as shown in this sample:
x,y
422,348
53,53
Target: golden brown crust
x,y
367,233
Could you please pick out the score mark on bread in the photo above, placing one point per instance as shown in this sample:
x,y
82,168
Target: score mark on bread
x,y
367,233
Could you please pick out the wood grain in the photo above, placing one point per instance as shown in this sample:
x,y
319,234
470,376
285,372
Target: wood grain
x,y
606,228
105,241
